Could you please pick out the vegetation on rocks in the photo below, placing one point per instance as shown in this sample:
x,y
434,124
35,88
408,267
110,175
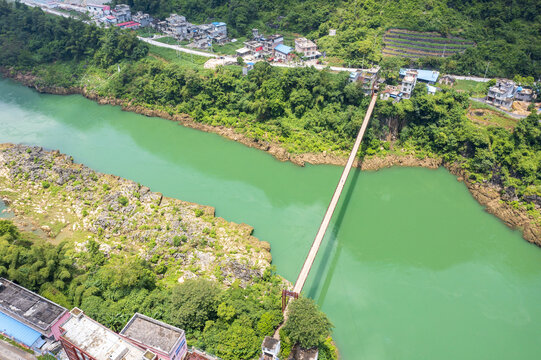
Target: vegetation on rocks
x,y
179,240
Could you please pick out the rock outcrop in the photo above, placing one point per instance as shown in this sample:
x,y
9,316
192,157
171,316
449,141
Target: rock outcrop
x,y
69,201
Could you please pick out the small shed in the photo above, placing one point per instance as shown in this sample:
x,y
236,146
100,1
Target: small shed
x,y
270,348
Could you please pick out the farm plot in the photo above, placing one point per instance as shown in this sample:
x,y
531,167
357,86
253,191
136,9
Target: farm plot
x,y
414,44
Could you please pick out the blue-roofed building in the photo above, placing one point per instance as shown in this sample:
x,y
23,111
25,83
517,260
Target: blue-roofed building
x,y
427,76
283,52
28,318
19,332
431,90
220,28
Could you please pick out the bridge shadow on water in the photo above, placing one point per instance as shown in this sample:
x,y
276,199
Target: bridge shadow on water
x,y
328,262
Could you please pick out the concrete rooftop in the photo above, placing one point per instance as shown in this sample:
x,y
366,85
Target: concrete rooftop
x,y
152,333
28,307
98,341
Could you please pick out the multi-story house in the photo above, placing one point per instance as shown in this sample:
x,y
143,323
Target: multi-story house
x,y
502,94
306,47
408,83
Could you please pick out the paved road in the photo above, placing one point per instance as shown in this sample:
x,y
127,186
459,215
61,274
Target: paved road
x,y
209,55
10,352
176,47
474,78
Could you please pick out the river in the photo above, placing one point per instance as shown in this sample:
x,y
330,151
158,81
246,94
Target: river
x,y
412,267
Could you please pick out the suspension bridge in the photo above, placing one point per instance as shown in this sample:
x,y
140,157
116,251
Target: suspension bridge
x,y
307,266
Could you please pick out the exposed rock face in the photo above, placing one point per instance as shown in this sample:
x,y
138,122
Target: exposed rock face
x,y
71,202
489,196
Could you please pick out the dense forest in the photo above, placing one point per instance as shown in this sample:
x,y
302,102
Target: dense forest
x,y
506,33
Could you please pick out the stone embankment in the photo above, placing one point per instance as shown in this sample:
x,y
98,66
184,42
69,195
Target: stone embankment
x,y
64,201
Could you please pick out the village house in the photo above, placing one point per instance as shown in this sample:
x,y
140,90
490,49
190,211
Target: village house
x,y
122,13
270,349
367,79
109,20
283,53
247,68
29,319
244,51
408,83
524,94
143,19
129,25
502,94
255,48
306,47
98,10
390,92
447,80
431,89
220,29
177,26
426,76
271,42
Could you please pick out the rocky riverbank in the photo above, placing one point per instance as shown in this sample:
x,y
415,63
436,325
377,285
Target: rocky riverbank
x,y
60,200
489,196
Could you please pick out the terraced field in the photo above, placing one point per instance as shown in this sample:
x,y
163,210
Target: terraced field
x,y
414,44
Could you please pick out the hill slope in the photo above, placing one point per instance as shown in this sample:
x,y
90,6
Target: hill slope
x,y
506,31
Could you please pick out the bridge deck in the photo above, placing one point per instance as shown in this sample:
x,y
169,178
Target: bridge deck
x,y
303,275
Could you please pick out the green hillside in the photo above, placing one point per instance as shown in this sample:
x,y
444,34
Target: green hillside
x,y
507,33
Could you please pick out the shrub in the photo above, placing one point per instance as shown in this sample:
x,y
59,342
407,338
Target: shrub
x,y
122,200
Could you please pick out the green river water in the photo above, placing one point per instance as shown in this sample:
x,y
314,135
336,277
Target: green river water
x,y
411,268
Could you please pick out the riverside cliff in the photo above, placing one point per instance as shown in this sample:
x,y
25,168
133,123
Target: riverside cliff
x,y
60,200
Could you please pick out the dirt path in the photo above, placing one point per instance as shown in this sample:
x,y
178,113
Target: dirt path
x,y
10,352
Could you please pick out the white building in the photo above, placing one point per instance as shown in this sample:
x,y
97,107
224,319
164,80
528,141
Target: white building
x,y
502,94
408,83
270,349
98,10
84,338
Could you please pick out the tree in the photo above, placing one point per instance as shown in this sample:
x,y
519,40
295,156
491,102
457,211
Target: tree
x,y
306,324
8,230
192,303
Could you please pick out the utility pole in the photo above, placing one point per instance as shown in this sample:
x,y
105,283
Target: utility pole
x,y
486,71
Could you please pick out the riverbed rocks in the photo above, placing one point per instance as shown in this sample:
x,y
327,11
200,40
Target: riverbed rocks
x,y
71,202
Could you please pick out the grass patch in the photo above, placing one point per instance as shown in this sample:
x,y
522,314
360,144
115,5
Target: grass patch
x,y
229,48
476,88
176,57
485,115
170,40
16,344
